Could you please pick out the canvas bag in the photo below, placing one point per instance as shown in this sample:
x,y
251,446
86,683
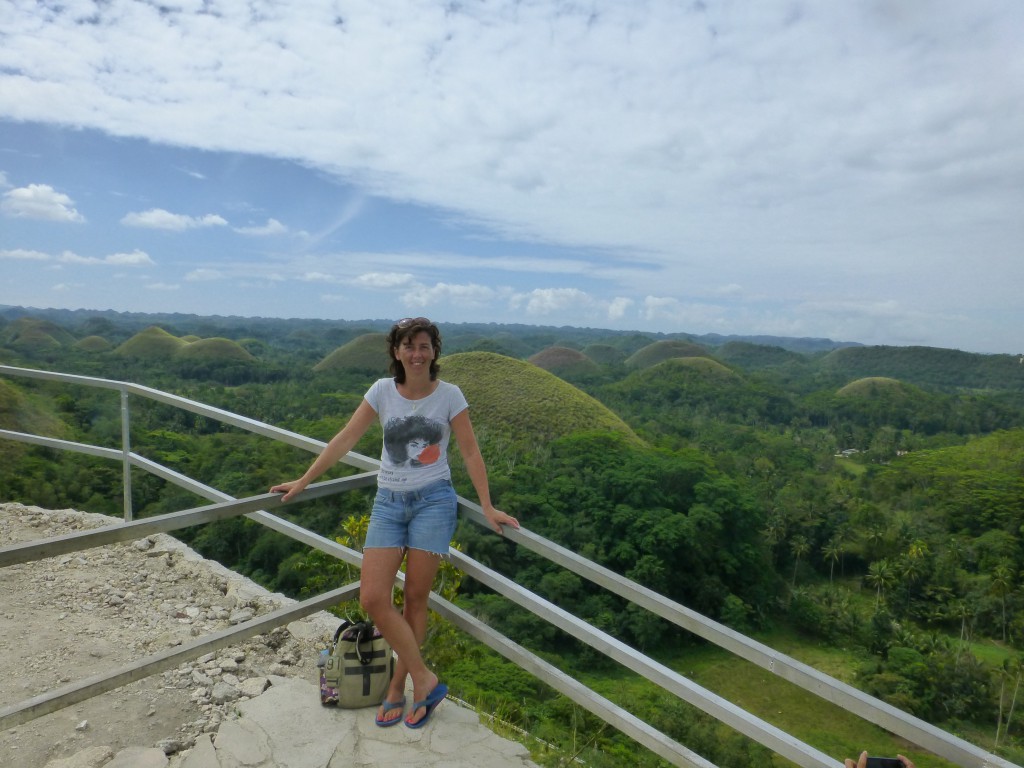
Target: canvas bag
x,y
357,669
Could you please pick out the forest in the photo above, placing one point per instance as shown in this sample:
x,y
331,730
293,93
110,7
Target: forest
x,y
859,508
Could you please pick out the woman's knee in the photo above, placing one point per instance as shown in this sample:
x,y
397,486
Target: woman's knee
x,y
373,601
416,601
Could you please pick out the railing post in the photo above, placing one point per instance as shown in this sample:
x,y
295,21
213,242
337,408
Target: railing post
x,y
126,451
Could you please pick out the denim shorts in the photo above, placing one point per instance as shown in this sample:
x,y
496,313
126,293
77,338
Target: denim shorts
x,y
421,519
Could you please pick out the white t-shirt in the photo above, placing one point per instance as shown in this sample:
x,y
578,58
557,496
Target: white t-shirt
x,y
416,433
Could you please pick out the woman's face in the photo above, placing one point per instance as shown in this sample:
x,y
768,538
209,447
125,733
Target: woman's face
x,y
415,352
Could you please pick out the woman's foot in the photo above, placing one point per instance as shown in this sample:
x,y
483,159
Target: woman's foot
x,y
390,712
423,708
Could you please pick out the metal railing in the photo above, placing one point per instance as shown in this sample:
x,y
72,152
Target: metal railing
x,y
890,718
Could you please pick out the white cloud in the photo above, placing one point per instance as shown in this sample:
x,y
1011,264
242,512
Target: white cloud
x,y
383,280
661,308
272,227
446,295
39,201
134,259
23,254
618,307
547,301
158,218
319,277
163,286
70,257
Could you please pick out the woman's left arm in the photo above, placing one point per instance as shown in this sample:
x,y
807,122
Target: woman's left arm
x,y
462,428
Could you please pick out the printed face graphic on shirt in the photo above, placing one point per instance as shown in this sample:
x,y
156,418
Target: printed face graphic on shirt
x,y
413,441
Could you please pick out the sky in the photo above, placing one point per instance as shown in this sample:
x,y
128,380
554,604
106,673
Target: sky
x,y
852,171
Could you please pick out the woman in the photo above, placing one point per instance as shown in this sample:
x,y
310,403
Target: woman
x,y
414,512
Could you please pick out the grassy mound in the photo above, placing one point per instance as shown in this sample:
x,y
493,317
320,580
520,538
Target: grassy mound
x,y
93,344
871,386
562,360
154,343
22,413
660,351
679,393
704,366
31,334
366,352
757,356
945,369
515,398
215,349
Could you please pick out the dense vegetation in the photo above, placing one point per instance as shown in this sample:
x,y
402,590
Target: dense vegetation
x,y
862,501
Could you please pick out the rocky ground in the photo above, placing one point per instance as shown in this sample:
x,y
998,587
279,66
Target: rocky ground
x,y
66,618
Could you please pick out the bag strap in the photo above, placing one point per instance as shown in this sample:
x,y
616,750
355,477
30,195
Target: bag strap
x,y
364,634
341,628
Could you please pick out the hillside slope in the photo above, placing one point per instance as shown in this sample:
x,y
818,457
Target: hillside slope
x,y
526,403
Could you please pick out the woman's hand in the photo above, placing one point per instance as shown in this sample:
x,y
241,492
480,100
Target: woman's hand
x,y
497,519
290,489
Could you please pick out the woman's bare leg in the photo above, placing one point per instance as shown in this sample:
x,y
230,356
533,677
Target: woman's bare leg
x,y
404,631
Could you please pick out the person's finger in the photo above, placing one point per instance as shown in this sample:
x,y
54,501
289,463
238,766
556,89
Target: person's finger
x,y
863,762
849,763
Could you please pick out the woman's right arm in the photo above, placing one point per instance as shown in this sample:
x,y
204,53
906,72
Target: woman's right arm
x,y
340,444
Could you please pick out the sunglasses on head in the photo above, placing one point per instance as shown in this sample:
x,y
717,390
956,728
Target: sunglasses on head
x,y
406,322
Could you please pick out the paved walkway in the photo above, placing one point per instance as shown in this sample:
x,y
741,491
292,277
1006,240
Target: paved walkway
x,y
280,729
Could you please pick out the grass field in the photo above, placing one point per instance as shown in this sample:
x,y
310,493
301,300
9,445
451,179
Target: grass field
x,y
809,718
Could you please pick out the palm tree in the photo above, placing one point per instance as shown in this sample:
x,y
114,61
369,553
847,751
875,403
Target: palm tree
x,y
799,546
1017,667
1001,584
832,552
1011,668
881,577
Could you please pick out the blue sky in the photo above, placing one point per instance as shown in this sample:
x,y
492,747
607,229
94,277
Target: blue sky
x,y
843,170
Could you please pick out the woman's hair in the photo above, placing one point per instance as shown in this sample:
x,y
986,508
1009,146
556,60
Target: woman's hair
x,y
405,329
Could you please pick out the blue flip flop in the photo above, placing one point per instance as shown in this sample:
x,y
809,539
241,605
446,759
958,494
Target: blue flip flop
x,y
434,698
389,706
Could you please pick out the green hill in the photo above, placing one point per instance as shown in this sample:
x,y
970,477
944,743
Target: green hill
x,y
515,398
711,369
678,393
752,357
660,351
215,349
154,343
366,352
28,334
93,344
873,386
948,369
562,361
22,413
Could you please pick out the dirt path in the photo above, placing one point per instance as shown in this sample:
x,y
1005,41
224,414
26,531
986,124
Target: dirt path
x,y
69,617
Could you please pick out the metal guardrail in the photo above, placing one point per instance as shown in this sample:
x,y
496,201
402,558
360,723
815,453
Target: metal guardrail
x,y
919,732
